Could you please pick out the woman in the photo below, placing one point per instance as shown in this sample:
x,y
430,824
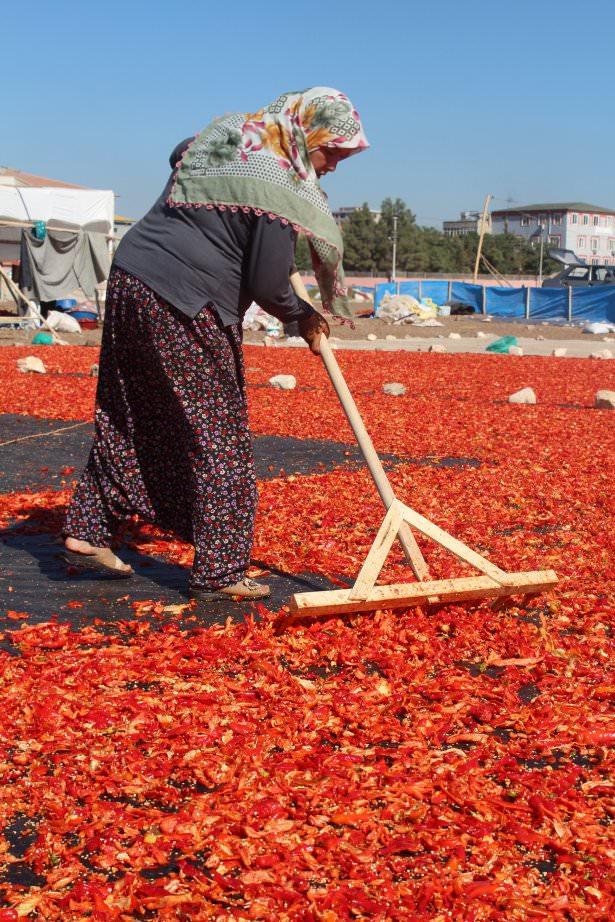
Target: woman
x,y
172,443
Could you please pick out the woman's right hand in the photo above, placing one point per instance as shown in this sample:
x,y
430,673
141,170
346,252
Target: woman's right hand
x,y
310,327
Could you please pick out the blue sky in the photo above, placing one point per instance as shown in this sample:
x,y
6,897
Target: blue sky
x,y
458,98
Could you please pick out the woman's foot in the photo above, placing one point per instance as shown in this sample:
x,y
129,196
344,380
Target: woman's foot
x,y
246,589
88,557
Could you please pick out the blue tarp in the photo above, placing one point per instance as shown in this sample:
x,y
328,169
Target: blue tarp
x,y
437,291
550,303
505,302
468,294
596,303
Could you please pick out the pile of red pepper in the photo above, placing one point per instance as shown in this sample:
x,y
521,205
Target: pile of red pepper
x,y
454,763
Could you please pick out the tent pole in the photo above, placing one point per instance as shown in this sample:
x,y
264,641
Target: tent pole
x,y
18,294
483,226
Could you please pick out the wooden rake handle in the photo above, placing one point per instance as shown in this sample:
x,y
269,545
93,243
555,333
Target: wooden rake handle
x,y
407,539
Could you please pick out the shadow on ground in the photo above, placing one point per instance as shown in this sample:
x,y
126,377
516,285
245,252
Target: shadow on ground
x,y
34,578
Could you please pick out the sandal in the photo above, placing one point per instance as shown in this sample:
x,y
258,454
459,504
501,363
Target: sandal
x,y
96,562
245,589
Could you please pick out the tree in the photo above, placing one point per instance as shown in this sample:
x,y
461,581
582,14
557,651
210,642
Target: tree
x,y
396,208
360,242
407,241
368,246
303,255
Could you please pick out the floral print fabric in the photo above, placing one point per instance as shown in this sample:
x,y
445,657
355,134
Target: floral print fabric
x,y
172,443
260,162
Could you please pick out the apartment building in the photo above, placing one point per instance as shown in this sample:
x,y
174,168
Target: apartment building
x,y
587,230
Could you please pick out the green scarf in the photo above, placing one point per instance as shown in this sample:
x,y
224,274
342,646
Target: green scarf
x,y
260,163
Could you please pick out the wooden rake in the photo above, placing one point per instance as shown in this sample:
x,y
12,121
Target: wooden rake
x,y
365,595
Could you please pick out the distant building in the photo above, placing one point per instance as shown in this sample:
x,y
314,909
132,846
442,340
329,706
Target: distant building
x,y
342,214
587,230
470,222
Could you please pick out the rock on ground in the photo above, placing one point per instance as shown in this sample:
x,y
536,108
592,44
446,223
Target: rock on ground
x,y
284,382
31,363
515,350
559,353
372,337
436,347
394,388
605,400
454,335
525,395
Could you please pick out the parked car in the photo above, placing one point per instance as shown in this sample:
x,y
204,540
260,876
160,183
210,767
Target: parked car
x,y
577,273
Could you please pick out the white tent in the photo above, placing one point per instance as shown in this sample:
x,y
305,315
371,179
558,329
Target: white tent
x,y
91,209
58,206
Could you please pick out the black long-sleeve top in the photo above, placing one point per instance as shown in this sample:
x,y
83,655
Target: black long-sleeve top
x,y
197,256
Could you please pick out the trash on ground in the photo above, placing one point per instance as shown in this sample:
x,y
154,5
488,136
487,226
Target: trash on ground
x,y
63,322
599,328
502,345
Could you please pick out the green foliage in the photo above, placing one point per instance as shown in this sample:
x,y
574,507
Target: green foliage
x,y
362,241
368,246
303,258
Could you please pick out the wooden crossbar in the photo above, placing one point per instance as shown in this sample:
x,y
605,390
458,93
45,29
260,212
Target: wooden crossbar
x,y
406,595
456,547
378,554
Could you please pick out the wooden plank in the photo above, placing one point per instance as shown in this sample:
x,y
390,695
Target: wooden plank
x,y
456,547
378,552
412,552
405,595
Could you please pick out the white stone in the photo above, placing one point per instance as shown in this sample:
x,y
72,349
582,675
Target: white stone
x,y
482,335
605,400
608,339
390,336
485,319
515,350
454,335
31,363
284,382
437,347
559,353
525,395
602,354
394,388
540,337
372,337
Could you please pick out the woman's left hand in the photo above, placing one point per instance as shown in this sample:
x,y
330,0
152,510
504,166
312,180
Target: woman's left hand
x,y
311,328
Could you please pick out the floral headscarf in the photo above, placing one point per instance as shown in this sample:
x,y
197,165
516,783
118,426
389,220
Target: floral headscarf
x,y
259,162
